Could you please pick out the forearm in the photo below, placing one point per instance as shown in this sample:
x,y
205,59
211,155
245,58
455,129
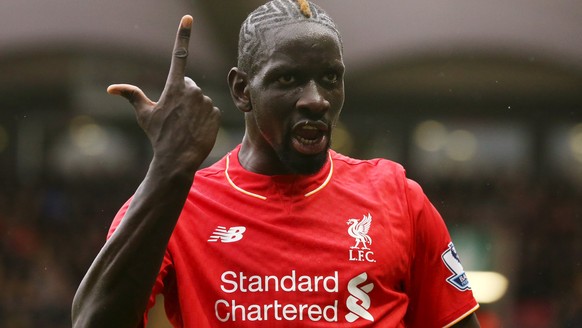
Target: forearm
x,y
117,286
469,322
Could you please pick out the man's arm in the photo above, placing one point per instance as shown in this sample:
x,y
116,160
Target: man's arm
x,y
182,128
469,322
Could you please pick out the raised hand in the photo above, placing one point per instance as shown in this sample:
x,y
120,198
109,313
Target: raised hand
x,y
182,125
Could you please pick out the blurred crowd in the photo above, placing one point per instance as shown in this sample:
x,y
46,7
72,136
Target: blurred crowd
x,y
52,229
50,232
540,222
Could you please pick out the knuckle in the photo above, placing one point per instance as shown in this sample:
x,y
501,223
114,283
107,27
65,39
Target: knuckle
x,y
207,101
217,112
181,52
189,82
195,91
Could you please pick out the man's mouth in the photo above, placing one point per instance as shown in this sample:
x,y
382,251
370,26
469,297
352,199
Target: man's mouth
x,y
310,137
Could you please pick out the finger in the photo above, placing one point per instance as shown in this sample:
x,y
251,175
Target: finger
x,y
130,92
180,53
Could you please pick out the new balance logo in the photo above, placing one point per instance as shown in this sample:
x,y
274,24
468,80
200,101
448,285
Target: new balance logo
x,y
227,236
359,302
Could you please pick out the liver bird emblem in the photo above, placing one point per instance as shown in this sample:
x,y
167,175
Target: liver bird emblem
x,y
359,230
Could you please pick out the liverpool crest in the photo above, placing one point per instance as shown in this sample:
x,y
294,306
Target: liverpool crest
x,y
358,229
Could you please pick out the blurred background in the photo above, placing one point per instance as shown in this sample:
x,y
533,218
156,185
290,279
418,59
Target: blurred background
x,y
480,100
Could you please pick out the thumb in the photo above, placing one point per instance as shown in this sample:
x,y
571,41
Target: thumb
x,y
132,93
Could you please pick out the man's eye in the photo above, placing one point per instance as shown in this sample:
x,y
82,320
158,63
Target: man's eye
x,y
330,77
286,79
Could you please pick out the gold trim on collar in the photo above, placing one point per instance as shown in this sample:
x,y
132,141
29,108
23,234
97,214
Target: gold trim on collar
x,y
248,193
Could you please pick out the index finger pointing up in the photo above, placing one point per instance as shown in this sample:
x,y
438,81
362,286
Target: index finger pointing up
x,y
180,53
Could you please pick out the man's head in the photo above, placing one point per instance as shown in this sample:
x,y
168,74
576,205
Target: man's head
x,y
290,86
272,15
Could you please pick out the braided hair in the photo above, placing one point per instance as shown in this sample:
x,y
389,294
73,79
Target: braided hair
x,y
272,15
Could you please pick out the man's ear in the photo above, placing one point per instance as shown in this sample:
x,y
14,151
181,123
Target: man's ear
x,y
238,83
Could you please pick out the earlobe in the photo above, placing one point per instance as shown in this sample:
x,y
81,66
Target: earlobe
x,y
239,89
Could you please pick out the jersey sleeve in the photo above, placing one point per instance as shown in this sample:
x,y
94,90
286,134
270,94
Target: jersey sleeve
x,y
439,292
164,277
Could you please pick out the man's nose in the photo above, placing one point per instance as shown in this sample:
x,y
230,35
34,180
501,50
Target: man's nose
x,y
312,99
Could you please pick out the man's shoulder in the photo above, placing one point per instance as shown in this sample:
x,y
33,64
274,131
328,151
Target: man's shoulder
x,y
380,165
380,173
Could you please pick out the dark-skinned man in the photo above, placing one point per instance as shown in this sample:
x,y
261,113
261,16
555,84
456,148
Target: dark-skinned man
x,y
282,231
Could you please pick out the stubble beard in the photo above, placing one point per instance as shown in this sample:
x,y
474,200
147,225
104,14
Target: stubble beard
x,y
298,163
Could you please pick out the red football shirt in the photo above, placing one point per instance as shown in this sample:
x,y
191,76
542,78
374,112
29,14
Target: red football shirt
x,y
355,245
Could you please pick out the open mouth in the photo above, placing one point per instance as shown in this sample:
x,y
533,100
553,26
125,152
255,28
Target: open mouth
x,y
310,137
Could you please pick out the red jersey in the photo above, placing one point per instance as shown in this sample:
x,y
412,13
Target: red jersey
x,y
354,245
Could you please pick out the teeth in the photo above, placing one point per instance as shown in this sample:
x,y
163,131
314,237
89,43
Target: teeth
x,y
309,127
306,141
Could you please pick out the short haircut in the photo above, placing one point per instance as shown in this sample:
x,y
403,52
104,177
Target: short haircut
x,y
272,15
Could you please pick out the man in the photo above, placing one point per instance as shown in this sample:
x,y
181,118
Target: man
x,y
283,231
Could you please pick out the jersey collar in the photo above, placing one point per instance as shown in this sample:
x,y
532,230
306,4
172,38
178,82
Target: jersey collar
x,y
265,186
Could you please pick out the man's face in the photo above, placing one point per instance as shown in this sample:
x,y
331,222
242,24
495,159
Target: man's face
x,y
296,96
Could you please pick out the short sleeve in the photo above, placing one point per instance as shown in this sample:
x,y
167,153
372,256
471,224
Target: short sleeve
x,y
164,276
440,294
